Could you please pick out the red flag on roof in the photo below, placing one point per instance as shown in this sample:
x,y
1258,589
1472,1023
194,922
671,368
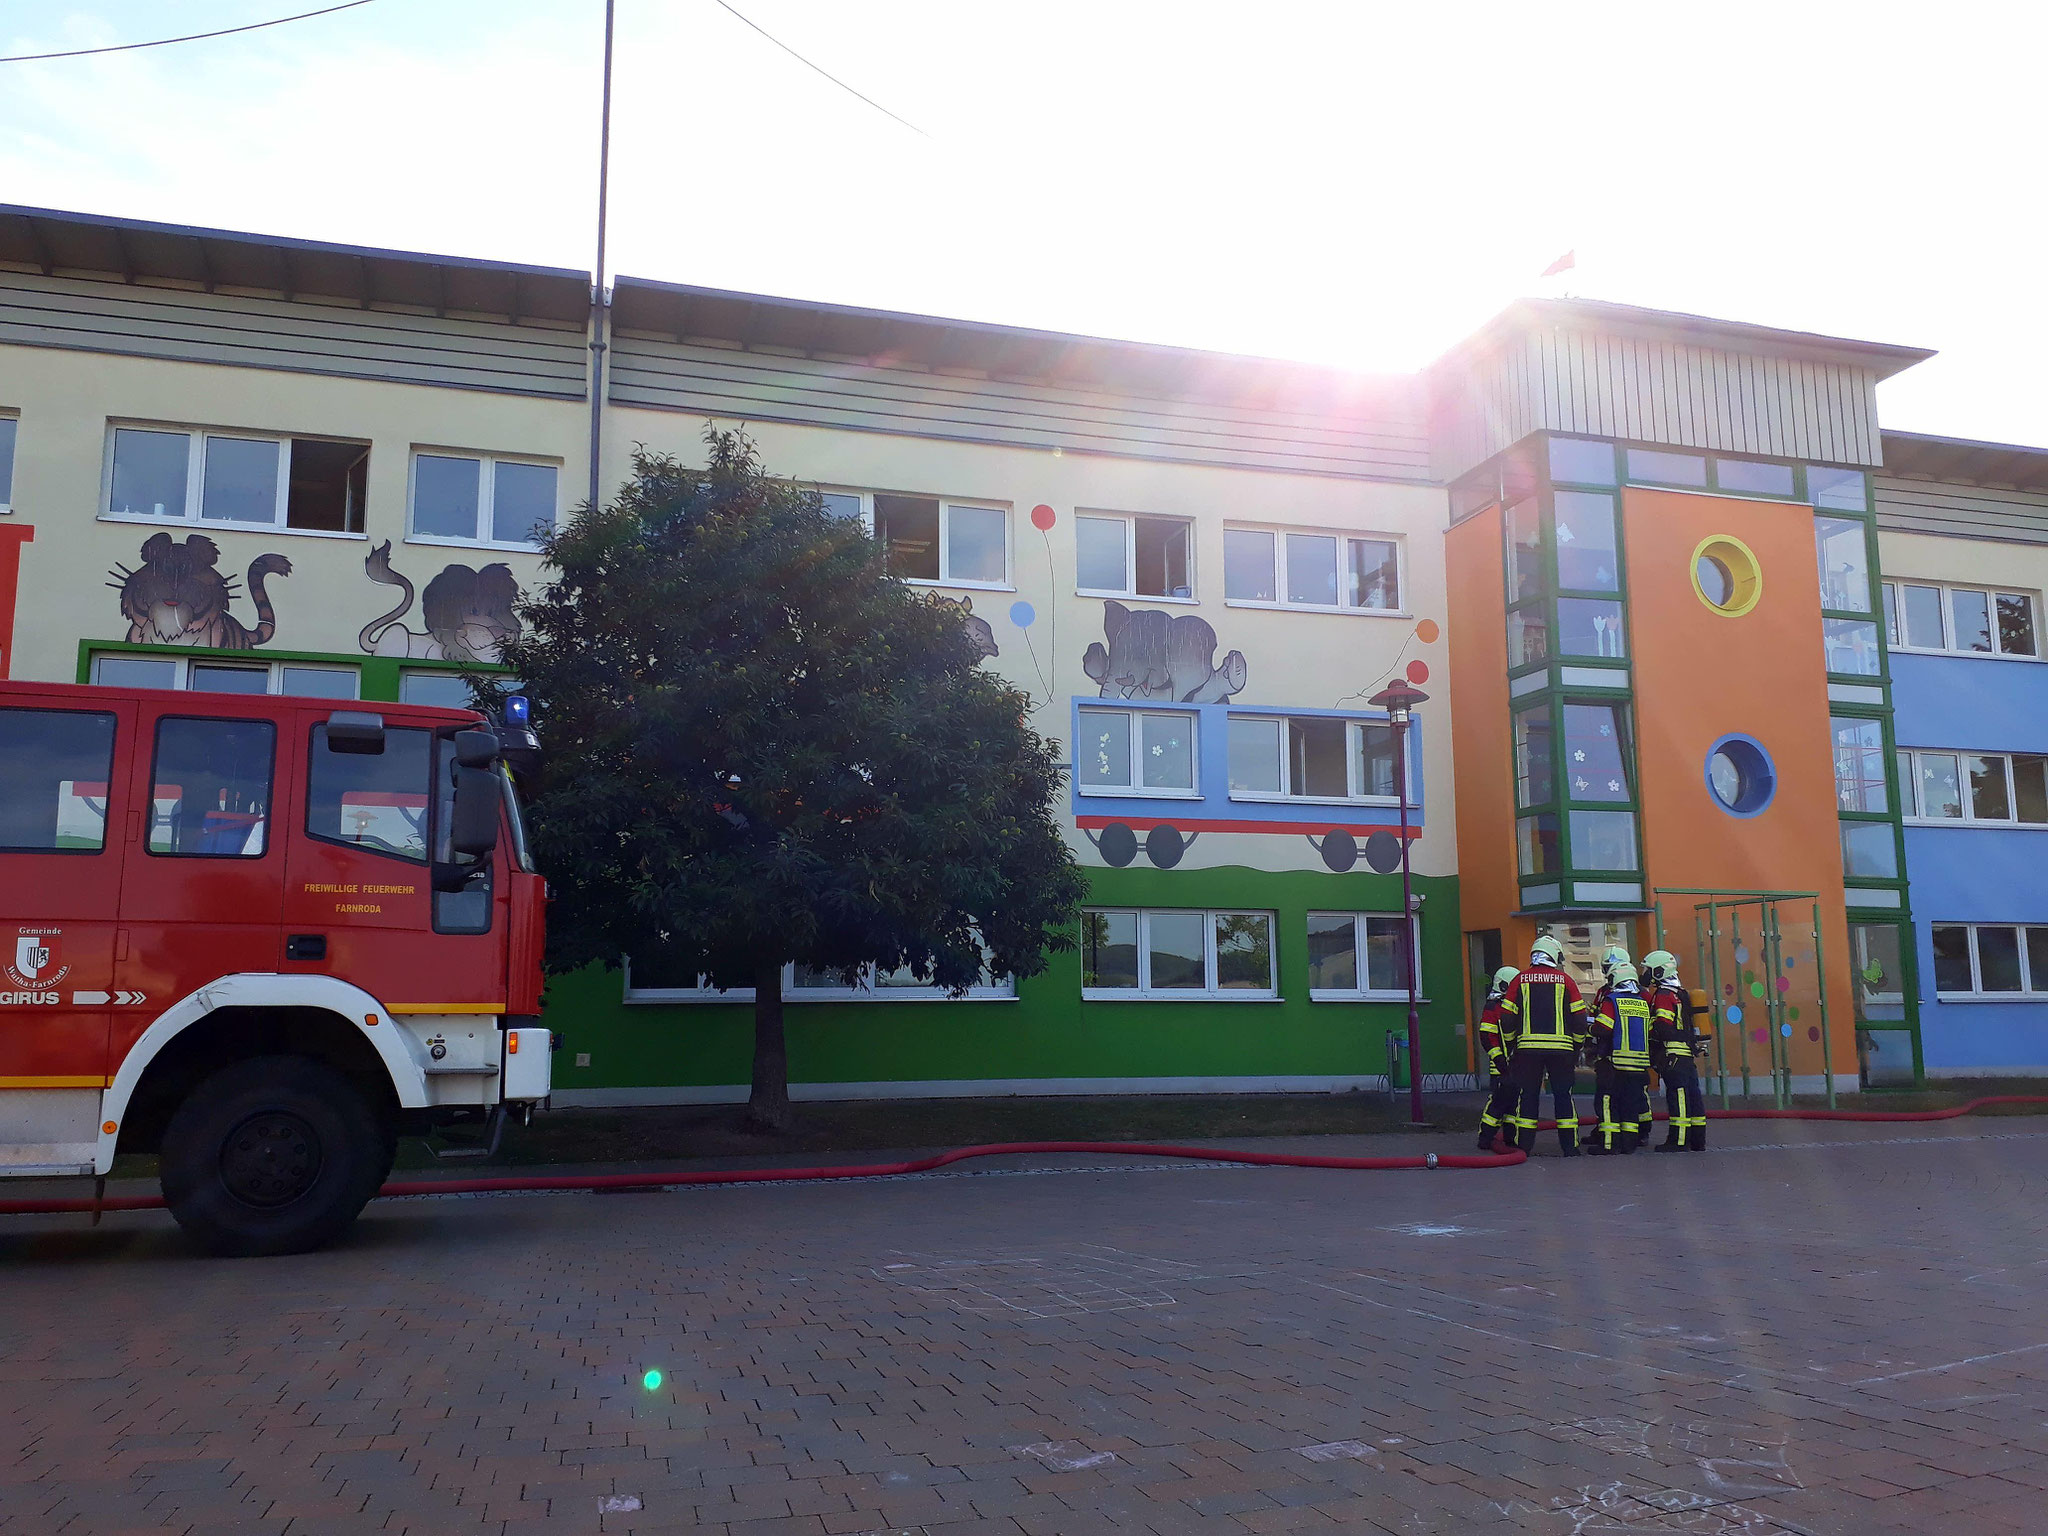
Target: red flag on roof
x,y
1563,263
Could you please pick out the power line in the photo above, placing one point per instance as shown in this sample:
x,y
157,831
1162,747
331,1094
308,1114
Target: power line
x,y
194,37
778,42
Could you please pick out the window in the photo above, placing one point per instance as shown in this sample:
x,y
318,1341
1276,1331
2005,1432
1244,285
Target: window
x,y
1596,751
480,499
1997,787
929,539
1172,953
652,979
1311,570
1966,621
1523,530
1357,954
54,770
9,425
1840,488
1842,550
1751,477
1135,752
1603,840
1990,960
182,474
376,802
1859,766
463,907
210,788
1577,461
1118,556
1868,851
1528,637
1850,646
1588,559
200,675
1655,468
1532,757
1536,849
1590,627
443,690
1311,757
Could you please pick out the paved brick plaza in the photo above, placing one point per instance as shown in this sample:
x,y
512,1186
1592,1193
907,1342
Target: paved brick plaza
x,y
1841,1335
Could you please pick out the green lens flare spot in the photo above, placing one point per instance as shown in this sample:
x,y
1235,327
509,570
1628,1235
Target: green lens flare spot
x,y
651,1381
1756,989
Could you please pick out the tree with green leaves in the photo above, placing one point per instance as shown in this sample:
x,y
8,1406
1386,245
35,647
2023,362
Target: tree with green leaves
x,y
759,747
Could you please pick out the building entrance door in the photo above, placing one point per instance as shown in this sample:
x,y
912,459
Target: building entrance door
x,y
1758,957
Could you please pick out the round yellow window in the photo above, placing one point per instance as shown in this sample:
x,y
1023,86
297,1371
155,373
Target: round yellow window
x,y
1726,575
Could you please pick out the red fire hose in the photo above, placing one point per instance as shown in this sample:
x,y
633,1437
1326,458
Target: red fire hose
x,y
603,1181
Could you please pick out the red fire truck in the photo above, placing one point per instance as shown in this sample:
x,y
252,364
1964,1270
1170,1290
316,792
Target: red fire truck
x,y
260,936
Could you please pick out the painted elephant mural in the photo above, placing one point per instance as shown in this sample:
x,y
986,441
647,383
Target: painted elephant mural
x,y
177,596
979,633
468,613
1153,654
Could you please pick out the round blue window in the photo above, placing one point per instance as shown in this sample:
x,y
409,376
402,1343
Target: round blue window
x,y
1740,775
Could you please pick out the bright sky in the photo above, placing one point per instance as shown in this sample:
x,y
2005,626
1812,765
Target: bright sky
x,y
1357,183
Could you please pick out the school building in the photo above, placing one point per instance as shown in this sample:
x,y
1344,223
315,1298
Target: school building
x,y
1712,659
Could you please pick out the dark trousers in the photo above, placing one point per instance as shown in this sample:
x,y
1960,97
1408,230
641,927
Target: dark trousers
x,y
1684,1104
1624,1102
1500,1106
1532,1070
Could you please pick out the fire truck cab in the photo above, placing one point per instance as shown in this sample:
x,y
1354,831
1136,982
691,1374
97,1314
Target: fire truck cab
x,y
259,936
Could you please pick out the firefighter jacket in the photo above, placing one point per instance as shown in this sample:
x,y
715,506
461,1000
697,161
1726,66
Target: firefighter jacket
x,y
1621,1031
1497,1035
1545,1009
1675,1031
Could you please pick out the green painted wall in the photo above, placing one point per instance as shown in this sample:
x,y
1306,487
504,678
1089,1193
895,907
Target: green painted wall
x,y
1048,1031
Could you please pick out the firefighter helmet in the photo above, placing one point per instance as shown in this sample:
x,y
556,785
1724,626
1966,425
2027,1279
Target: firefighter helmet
x,y
1612,957
1503,976
1547,951
1660,965
1623,975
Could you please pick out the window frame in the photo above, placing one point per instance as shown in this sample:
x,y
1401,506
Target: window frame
x,y
314,741
1279,602
196,439
182,666
1137,789
486,495
1892,606
946,504
2032,989
1130,522
1210,992
12,419
1003,990
1353,754
1369,994
1910,802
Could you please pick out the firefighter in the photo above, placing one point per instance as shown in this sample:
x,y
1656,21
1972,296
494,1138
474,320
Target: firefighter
x,y
1500,1055
1676,1040
1611,958
1543,1006
1621,1030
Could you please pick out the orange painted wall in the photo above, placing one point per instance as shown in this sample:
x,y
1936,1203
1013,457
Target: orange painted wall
x,y
1483,764
1700,675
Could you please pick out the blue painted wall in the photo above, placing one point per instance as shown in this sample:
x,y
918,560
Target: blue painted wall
x,y
1974,874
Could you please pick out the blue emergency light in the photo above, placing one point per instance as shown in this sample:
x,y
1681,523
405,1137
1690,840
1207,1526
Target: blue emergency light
x,y
518,709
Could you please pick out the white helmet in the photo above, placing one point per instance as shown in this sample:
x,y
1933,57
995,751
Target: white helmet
x,y
1661,967
1614,956
1546,951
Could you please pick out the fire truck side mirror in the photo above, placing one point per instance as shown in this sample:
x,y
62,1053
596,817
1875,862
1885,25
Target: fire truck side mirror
x,y
476,749
473,823
355,732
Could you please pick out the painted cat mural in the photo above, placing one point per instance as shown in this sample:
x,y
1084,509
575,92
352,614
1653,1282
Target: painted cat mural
x,y
468,613
1153,654
178,597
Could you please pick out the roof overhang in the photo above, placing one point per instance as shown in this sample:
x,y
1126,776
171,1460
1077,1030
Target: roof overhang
x,y
933,343
1922,456
1880,359
57,243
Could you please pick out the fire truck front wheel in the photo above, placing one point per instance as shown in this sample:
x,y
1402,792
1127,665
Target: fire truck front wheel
x,y
277,1154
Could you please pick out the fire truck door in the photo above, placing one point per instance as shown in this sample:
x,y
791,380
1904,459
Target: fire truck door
x,y
200,893
64,815
360,901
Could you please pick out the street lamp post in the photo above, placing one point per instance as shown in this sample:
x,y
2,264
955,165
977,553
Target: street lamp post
x,y
1398,699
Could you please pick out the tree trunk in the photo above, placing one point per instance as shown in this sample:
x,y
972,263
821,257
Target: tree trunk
x,y
768,1107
